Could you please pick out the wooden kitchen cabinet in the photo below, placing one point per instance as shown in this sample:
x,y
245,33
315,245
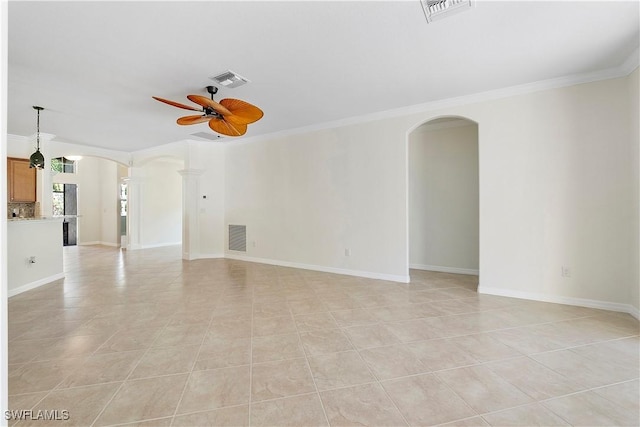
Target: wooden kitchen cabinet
x,y
21,181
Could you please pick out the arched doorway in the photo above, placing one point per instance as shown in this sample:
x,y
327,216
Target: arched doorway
x,y
443,197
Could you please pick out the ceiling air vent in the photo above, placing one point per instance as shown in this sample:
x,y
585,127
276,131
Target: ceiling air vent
x,y
230,79
209,136
438,9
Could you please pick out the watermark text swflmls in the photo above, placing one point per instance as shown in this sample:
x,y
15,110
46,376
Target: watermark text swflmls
x,y
41,414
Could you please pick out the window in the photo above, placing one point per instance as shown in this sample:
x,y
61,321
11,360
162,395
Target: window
x,y
63,165
58,199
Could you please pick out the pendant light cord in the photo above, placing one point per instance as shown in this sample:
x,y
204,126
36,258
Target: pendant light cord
x,y
38,131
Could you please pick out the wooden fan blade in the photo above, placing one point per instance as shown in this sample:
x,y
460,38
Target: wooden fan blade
x,y
192,120
226,128
242,111
176,104
206,102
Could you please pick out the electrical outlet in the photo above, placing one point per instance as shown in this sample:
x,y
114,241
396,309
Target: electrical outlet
x,y
566,272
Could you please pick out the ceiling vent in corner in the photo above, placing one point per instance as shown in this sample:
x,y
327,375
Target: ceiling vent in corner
x,y
209,136
438,9
230,79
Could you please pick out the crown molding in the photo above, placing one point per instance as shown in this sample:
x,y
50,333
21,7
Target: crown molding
x,y
622,70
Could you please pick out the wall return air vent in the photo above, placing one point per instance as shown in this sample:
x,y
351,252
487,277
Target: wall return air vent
x,y
238,238
438,9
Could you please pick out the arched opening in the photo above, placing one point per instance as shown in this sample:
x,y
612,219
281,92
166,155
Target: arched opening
x,y
86,190
443,199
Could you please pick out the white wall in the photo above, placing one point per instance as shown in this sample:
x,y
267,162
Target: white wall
x,y
443,197
212,209
634,254
306,198
556,189
161,203
41,239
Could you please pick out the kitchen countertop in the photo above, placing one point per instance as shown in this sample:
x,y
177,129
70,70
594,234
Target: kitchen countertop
x,y
41,218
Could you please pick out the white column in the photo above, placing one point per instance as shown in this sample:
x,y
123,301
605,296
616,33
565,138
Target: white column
x,y
190,222
134,208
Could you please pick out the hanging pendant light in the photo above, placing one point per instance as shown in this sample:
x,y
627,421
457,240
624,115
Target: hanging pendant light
x,y
37,159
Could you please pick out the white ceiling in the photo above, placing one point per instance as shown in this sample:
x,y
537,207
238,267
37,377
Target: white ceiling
x,y
95,65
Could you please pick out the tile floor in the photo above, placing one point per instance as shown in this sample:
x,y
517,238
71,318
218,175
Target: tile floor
x,y
143,338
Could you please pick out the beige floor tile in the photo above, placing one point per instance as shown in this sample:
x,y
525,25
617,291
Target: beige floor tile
x,y
270,309
482,389
282,378
72,346
196,317
83,404
276,347
25,401
393,361
229,327
51,329
301,328
274,326
412,330
425,400
528,340
336,370
467,422
130,339
40,376
586,372
215,388
102,368
484,348
156,422
525,416
335,303
144,399
366,405
305,410
358,317
307,306
234,416
625,394
22,402
166,361
591,409
26,351
441,354
371,336
310,322
533,378
223,353
325,341
181,335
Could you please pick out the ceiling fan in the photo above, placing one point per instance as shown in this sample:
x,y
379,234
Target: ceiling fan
x,y
229,117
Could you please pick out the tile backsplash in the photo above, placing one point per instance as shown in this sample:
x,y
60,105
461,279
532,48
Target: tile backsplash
x,y
28,209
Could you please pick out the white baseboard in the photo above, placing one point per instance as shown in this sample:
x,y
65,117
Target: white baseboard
x,y
209,256
36,284
442,269
115,245
160,245
558,299
358,273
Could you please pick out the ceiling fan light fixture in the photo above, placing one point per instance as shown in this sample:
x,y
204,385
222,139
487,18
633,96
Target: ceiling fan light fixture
x,y
36,160
230,79
438,9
